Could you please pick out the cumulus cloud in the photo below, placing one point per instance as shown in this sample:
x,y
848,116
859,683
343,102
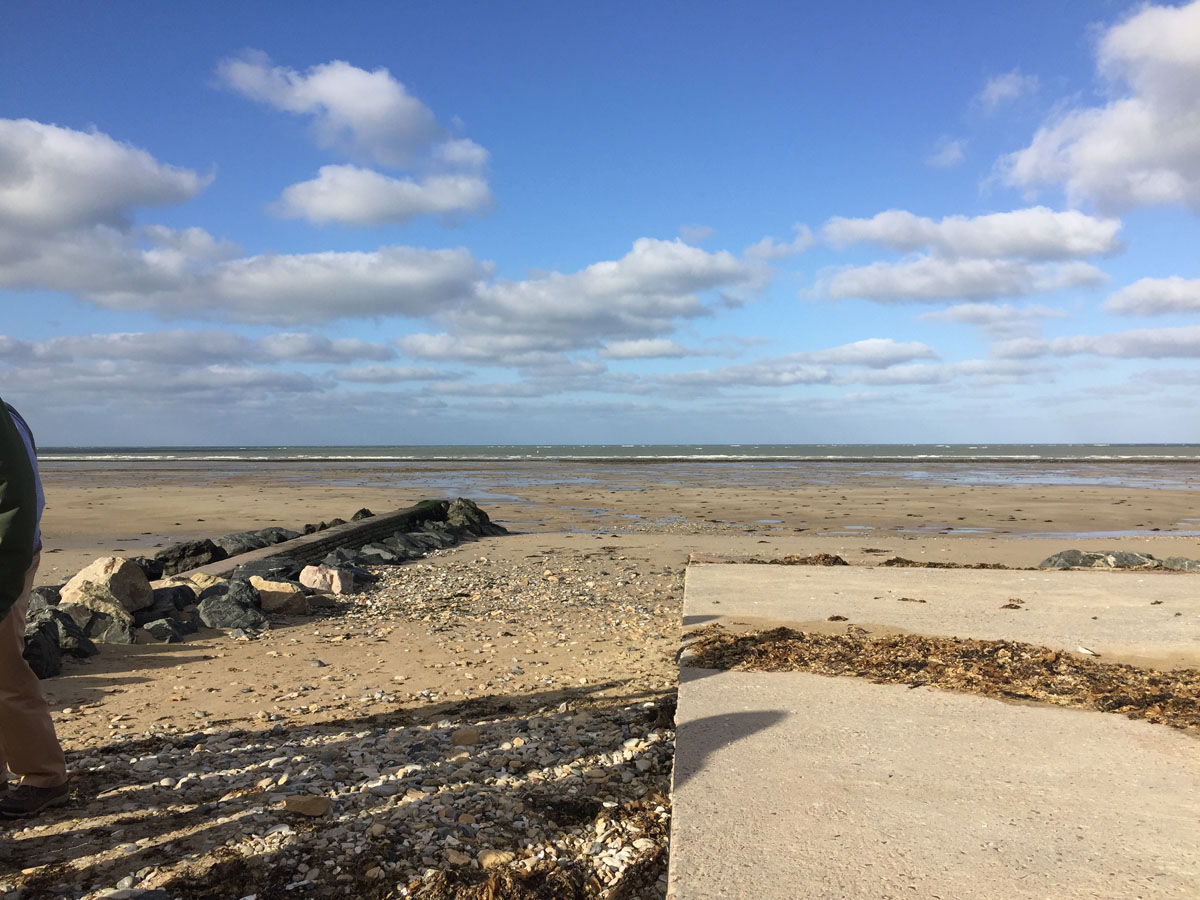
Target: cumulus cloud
x,y
998,320
768,248
947,153
644,294
366,115
54,179
1010,86
1146,343
930,279
1156,296
1036,233
648,348
1142,148
357,196
362,113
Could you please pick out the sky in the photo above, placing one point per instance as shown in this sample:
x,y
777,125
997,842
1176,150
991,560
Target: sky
x,y
480,223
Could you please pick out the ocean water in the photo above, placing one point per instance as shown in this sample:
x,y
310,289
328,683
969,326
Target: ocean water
x,y
648,453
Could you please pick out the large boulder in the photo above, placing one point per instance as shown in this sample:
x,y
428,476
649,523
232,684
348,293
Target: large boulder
x,y
121,578
280,597
1100,559
241,542
100,614
235,607
43,598
152,567
166,630
72,639
41,648
273,569
328,579
1181,564
189,555
180,596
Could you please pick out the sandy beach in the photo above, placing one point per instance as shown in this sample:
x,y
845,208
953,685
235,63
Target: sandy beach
x,y
447,707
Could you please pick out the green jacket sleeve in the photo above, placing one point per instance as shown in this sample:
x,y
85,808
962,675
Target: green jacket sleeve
x,y
18,513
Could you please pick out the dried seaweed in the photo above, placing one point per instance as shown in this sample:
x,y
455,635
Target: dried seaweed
x,y
817,559
1006,670
899,562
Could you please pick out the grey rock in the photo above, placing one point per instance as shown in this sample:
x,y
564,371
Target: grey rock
x,y
378,555
1100,559
41,649
274,568
42,597
152,568
189,555
1181,564
165,630
231,610
363,513
180,596
241,542
110,628
72,639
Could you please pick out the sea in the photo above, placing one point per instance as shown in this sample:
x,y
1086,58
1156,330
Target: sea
x,y
479,469
632,453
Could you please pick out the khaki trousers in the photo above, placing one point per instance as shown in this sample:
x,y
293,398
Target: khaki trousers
x,y
28,745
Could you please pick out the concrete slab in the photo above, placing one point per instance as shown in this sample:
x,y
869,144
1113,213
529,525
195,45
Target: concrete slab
x,y
1113,613
792,785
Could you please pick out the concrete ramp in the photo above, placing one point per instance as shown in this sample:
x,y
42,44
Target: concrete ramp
x,y
793,785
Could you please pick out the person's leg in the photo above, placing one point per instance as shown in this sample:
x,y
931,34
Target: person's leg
x,y
28,744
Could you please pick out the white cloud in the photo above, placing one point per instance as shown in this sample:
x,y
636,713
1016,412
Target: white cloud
x,y
998,320
1006,88
1156,296
316,348
360,112
648,348
931,279
289,289
1036,233
54,178
947,153
387,374
1148,343
644,294
359,196
768,248
875,353
1142,148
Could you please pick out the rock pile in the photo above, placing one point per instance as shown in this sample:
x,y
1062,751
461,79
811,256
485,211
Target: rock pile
x,y
114,600
1116,559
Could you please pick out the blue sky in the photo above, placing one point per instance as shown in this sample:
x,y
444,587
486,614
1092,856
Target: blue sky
x,y
400,223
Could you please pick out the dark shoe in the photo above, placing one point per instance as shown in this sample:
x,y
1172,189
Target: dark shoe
x,y
27,800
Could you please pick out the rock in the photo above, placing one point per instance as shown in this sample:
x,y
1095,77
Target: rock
x,y
42,597
165,630
180,596
363,513
241,542
494,859
152,568
275,568
114,627
378,555
120,577
232,608
202,580
99,615
1181,564
41,649
163,607
283,597
326,578
72,638
456,857
307,804
189,555
464,737
465,515
1102,559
